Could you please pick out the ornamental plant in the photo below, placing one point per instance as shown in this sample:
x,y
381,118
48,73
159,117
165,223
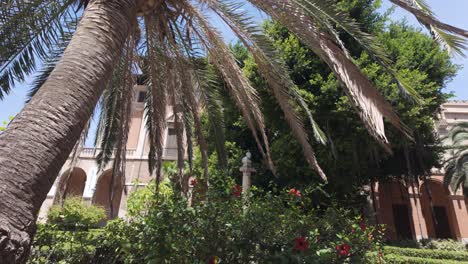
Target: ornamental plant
x,y
75,214
275,228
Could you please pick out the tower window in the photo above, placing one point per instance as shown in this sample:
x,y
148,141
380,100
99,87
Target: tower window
x,y
141,97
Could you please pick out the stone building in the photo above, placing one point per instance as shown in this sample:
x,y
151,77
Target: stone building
x,y
88,182
429,209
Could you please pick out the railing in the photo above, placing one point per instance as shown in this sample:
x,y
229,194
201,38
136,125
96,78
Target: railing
x,y
92,152
168,153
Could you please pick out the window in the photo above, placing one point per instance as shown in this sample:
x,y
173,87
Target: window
x,y
171,141
141,97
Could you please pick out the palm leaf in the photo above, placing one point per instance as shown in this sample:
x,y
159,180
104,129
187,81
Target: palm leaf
x,y
272,68
452,38
243,93
366,99
39,27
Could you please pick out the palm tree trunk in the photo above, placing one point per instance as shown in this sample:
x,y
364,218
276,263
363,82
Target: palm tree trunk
x,y
38,141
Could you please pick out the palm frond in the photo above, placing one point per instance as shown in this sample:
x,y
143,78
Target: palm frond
x,y
188,85
39,26
452,38
51,61
325,14
456,166
368,102
271,68
158,69
243,93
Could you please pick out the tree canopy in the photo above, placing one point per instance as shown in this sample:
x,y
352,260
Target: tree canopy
x,y
350,157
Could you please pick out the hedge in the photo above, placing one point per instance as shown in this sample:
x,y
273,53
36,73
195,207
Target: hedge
x,y
427,253
371,258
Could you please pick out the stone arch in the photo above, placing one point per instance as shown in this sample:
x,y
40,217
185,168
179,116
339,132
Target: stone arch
x,y
438,211
72,183
102,193
395,210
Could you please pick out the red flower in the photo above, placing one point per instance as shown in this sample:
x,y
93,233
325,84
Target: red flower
x,y
301,244
295,192
343,250
362,225
236,190
193,182
381,254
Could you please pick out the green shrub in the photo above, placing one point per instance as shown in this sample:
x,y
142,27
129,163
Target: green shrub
x,y
440,244
427,253
372,258
444,244
278,226
75,214
270,230
52,245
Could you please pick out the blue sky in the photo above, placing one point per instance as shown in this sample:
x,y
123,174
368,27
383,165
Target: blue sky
x,y
452,12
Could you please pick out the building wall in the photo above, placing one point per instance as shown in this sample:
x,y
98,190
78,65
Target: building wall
x,y
85,180
433,210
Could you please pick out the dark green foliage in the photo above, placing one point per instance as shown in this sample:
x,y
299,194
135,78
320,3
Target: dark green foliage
x,y
351,158
398,259
52,245
416,256
75,214
166,230
221,228
427,253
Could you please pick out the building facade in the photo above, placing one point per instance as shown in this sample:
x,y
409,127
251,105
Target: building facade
x,y
86,181
426,209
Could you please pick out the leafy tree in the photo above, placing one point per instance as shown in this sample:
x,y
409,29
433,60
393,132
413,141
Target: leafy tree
x,y
351,158
99,59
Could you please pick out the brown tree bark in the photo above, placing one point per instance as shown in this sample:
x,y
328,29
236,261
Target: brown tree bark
x,y
38,141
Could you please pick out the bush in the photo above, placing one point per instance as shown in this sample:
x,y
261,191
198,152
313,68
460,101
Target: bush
x,y
437,244
75,214
444,244
427,253
277,227
372,258
52,245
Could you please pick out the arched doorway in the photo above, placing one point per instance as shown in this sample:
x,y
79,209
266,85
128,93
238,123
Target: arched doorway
x,y
395,210
102,194
72,183
438,210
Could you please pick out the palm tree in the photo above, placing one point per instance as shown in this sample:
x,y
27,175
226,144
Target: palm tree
x,y
456,166
96,61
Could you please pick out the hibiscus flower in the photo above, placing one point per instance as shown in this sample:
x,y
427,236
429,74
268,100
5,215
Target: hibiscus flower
x,y
362,225
343,250
301,244
236,190
193,182
295,192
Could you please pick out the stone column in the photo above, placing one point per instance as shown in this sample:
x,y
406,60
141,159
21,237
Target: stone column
x,y
461,214
246,170
419,222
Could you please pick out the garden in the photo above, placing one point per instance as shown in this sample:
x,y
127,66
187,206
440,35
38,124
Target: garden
x,y
328,98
